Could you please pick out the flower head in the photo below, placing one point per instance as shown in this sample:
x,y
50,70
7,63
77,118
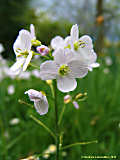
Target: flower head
x,y
22,49
11,89
39,99
82,47
64,68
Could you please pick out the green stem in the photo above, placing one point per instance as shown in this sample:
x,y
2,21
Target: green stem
x,y
23,102
61,114
56,120
44,126
32,65
78,143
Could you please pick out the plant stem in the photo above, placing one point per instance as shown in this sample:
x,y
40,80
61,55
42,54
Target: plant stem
x,y
34,66
78,143
56,120
43,125
61,114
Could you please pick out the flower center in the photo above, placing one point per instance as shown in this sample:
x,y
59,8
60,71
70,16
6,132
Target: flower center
x,y
21,53
63,70
68,46
78,44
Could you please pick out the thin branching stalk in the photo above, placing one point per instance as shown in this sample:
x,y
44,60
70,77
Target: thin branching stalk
x,y
78,143
34,66
44,126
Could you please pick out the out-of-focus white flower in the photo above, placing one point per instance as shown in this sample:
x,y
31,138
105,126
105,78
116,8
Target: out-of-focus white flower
x,y
67,99
108,61
64,154
31,158
1,48
24,75
36,73
39,99
46,154
14,121
106,70
22,49
82,47
75,104
11,89
43,50
52,148
6,134
65,69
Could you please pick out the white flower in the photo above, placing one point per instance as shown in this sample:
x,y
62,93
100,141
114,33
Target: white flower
x,y
11,89
108,61
82,47
14,121
64,69
52,148
1,48
22,49
106,70
39,99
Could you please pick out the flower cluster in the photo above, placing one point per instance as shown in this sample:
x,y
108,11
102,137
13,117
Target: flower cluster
x,y
71,58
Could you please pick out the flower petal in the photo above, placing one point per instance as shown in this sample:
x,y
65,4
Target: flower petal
x,y
57,42
28,59
17,66
74,33
41,106
63,56
78,69
32,31
86,55
88,41
34,95
48,70
25,40
66,84
93,65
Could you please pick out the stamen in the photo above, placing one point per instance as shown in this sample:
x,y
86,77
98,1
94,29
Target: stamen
x,y
63,70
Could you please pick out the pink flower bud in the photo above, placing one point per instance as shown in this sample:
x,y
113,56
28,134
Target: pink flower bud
x,y
43,50
76,105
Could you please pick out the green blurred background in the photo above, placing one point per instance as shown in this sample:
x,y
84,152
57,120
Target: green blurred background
x,y
98,117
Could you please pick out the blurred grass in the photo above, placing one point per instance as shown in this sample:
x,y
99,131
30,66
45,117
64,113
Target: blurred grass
x,y
98,118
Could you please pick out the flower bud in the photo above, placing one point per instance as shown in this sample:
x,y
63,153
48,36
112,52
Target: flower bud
x,y
43,50
49,82
80,96
76,105
35,42
67,99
